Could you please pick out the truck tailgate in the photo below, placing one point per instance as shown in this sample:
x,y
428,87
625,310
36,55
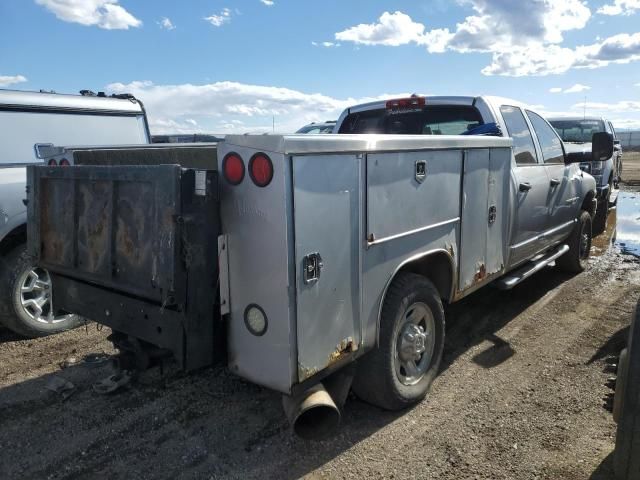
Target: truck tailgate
x,y
111,226
132,247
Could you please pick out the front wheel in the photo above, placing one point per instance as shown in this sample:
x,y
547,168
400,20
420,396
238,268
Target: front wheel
x,y
579,241
25,298
600,218
400,371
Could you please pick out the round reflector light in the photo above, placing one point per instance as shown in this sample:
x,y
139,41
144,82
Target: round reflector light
x,y
52,163
255,320
233,168
64,162
261,169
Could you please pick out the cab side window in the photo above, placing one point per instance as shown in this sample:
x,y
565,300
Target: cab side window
x,y
550,143
523,147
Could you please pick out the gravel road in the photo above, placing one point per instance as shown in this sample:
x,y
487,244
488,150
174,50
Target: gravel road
x,y
522,395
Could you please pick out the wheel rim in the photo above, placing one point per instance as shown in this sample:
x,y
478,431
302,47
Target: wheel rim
x,y
35,296
415,344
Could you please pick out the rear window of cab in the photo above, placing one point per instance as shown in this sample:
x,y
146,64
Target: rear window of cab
x,y
430,120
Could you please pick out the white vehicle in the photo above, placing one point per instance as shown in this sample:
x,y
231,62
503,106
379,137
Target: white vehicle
x,y
30,122
329,248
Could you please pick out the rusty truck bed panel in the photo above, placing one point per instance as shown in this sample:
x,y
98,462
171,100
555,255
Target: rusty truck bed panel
x,y
112,226
133,247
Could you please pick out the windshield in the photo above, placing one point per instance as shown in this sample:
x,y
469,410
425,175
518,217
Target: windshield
x,y
577,131
314,129
431,120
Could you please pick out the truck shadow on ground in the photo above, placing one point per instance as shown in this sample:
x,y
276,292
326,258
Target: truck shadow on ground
x,y
211,423
7,335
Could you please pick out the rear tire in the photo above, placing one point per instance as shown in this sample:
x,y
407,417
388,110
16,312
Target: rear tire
x,y
25,298
579,241
399,372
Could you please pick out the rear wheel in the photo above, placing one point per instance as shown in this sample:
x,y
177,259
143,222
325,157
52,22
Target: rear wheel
x,y
400,371
579,241
25,298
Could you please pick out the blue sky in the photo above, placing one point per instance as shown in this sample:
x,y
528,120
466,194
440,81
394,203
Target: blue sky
x,y
233,65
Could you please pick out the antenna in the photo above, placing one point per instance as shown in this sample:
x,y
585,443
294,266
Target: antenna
x,y
584,114
274,123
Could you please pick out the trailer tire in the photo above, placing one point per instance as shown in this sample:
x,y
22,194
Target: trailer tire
x,y
579,241
19,317
399,372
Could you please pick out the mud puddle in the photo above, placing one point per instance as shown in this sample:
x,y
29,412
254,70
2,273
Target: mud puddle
x,y
623,227
627,237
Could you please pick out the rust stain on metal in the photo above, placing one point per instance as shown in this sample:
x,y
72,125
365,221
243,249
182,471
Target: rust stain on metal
x,y
345,347
306,372
451,251
481,273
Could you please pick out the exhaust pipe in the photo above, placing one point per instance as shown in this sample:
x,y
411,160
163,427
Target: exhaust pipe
x,y
315,413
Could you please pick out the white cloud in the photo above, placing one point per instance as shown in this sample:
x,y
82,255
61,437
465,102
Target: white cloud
x,y
107,14
577,88
6,80
498,24
625,106
553,59
268,3
518,47
166,24
392,29
326,44
620,7
225,107
221,19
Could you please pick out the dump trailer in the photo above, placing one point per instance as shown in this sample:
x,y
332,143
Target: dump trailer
x,y
311,265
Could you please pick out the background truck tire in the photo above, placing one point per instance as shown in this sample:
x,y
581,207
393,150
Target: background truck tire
x,y
602,212
600,218
579,241
19,309
412,320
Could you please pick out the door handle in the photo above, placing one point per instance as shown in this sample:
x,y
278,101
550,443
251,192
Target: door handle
x,y
554,182
525,187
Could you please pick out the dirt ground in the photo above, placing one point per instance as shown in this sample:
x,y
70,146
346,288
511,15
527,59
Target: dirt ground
x,y
522,394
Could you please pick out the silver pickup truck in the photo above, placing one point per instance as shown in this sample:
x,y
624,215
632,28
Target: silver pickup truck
x,y
333,254
577,132
29,123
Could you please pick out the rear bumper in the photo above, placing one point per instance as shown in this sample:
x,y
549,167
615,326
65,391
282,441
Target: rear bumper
x,y
195,341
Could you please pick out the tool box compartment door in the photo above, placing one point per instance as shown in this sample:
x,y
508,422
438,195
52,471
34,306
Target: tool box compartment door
x,y
327,229
115,227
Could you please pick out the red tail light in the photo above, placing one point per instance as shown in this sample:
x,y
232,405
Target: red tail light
x,y
261,169
52,163
411,103
233,168
64,162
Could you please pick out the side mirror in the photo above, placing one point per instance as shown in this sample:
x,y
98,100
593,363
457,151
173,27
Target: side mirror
x,y
601,146
574,157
